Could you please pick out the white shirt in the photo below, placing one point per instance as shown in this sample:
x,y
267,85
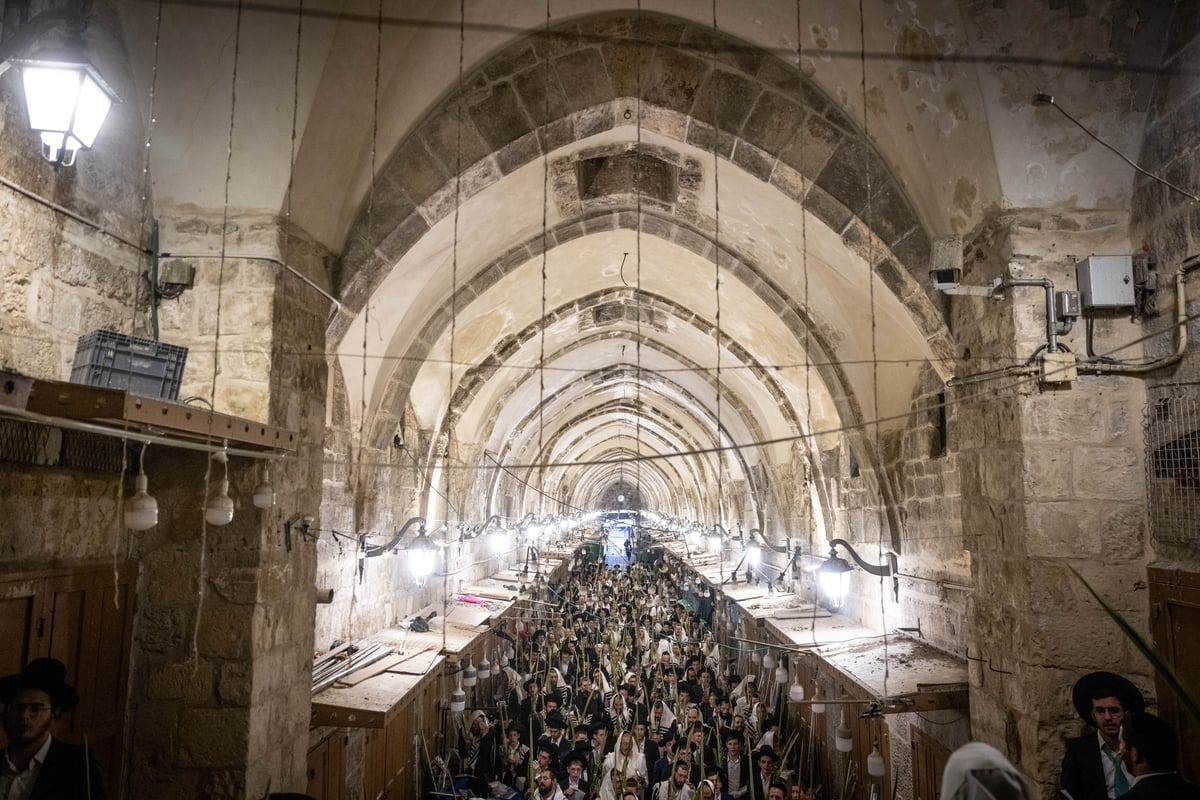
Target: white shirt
x,y
16,785
662,791
1109,759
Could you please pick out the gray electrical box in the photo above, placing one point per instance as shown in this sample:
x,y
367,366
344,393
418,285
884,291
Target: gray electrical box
x,y
1105,281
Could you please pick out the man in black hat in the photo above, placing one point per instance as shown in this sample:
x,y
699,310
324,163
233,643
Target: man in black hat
x,y
1091,767
573,784
555,734
35,764
764,776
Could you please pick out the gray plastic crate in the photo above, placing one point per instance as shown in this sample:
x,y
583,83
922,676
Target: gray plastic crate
x,y
119,361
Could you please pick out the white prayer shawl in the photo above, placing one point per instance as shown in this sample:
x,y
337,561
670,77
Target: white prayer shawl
x,y
978,771
514,682
633,765
661,725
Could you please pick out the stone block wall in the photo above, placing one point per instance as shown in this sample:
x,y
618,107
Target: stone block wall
x,y
1164,222
1050,479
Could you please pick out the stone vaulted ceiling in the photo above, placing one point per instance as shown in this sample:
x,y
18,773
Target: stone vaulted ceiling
x,y
548,258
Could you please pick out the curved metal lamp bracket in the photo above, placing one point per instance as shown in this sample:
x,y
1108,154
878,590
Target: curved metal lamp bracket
x,y
883,571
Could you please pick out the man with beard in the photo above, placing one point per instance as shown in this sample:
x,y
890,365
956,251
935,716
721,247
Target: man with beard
x,y
545,786
675,787
35,764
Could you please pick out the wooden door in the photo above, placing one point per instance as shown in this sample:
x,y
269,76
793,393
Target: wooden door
x,y
327,768
928,762
82,616
1175,622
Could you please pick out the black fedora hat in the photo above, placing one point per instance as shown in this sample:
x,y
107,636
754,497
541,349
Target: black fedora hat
x,y
1105,684
47,675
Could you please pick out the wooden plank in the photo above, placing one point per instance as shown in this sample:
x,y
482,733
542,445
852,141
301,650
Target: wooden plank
x,y
370,671
117,408
416,663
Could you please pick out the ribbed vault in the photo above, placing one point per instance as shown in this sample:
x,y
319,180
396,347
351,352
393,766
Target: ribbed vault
x,y
571,276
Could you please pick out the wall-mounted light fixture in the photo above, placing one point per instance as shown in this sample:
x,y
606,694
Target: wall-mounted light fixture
x,y
422,551
66,99
834,573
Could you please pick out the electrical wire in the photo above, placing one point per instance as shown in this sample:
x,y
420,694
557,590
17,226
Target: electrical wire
x,y
573,35
1049,100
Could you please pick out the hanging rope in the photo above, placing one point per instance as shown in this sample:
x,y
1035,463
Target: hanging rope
x,y
717,291
638,290
545,256
212,400
867,219
462,37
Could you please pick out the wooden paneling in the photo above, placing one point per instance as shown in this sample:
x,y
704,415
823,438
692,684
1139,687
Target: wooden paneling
x,y
928,762
82,616
1175,621
327,768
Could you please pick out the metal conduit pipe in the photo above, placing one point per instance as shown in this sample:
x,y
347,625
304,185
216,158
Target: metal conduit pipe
x,y
269,259
1180,328
136,436
1051,314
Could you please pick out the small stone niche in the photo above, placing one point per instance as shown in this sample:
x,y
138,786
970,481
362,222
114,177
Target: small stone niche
x,y
626,174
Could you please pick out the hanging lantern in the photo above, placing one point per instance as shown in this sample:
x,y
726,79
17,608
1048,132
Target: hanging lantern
x,y
781,674
421,555
67,101
834,575
768,659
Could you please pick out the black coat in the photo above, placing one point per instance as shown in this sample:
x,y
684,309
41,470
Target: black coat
x,y
1163,787
66,774
1082,771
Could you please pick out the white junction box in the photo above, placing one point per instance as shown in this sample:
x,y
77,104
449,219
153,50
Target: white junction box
x,y
1105,281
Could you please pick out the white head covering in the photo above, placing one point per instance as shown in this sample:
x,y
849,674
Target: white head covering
x,y
664,724
514,682
978,771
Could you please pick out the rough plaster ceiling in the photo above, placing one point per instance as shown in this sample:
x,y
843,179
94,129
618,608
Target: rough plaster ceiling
x,y
961,138
959,135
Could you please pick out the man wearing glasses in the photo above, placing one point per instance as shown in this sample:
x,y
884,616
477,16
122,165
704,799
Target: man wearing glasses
x,y
35,764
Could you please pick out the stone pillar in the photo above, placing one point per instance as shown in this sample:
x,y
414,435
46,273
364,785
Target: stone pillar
x,y
1051,478
221,681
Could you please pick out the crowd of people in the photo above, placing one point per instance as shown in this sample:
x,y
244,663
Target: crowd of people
x,y
616,691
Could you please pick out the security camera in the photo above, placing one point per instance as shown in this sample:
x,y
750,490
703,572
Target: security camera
x,y
944,279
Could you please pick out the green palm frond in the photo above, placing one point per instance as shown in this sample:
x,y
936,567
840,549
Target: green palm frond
x,y
1185,698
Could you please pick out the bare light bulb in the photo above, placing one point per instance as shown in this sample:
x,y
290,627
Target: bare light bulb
x,y
264,493
459,698
842,738
817,706
141,510
470,675
485,668
796,692
875,763
781,674
768,660
219,510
